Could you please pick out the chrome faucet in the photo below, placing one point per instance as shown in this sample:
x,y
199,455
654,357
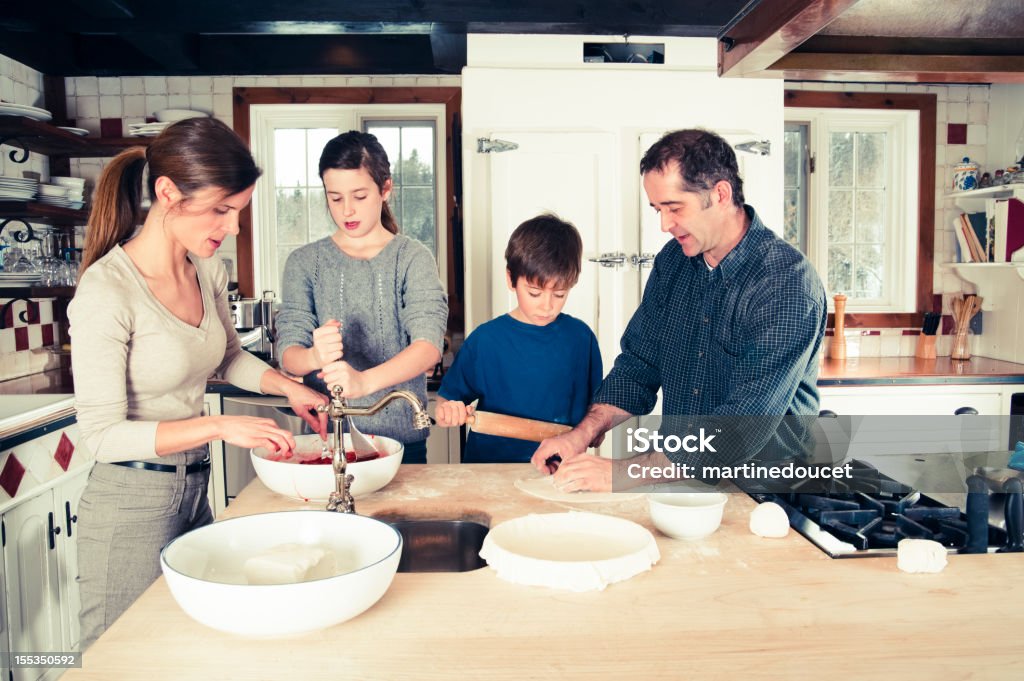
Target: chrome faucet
x,y
338,410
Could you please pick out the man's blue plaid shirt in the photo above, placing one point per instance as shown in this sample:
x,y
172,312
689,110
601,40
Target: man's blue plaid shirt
x,y
740,339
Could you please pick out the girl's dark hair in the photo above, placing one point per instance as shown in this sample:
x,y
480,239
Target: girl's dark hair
x,y
195,154
353,150
704,159
545,249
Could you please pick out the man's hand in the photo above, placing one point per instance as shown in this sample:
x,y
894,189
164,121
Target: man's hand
x,y
566,446
585,472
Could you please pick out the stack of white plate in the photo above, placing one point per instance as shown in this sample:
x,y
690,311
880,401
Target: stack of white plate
x,y
146,129
17,189
54,195
76,189
18,278
33,112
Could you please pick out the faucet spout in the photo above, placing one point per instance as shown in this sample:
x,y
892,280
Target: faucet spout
x,y
420,418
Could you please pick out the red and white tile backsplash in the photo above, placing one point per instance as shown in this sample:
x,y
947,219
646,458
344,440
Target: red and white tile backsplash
x,y
27,325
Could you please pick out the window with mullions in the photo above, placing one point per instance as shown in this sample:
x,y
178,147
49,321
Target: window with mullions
x,y
411,148
851,179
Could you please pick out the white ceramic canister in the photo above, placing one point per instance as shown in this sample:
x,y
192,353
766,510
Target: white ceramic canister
x,y
965,175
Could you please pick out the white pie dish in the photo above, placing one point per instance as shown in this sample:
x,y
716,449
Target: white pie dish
x,y
574,551
205,570
687,515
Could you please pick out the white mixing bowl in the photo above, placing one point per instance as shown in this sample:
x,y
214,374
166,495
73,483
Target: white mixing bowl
x,y
687,515
206,571
315,482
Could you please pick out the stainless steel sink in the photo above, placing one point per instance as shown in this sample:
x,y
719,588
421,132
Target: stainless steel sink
x,y
439,545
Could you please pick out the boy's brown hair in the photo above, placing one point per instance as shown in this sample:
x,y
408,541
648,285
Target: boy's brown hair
x,y
545,249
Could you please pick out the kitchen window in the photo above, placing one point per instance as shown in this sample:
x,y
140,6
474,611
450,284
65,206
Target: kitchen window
x,y
855,166
290,207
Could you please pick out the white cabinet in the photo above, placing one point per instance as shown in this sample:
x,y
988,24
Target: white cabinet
x,y
906,419
67,495
33,581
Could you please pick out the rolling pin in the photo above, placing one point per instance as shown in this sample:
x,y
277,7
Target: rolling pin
x,y
839,334
490,423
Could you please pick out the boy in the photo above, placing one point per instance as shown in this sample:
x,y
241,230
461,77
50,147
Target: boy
x,y
533,362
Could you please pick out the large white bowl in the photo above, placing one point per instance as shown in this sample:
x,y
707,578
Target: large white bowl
x,y
205,570
687,515
315,482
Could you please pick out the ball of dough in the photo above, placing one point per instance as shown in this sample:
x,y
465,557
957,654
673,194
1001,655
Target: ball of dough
x,y
920,555
769,520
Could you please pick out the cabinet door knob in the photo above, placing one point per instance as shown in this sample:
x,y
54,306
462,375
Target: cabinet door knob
x,y
54,531
71,519
966,411
828,414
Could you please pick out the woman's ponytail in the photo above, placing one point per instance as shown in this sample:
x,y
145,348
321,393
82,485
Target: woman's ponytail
x,y
116,206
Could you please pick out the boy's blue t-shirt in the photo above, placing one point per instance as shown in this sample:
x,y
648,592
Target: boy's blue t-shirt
x,y
547,373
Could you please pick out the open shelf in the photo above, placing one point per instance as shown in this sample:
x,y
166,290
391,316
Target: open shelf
x,y
31,211
977,200
990,278
46,138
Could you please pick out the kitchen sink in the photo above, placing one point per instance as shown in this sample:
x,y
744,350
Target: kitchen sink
x,y
439,545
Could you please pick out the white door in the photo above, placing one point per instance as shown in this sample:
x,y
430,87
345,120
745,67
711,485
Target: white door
x,y
574,175
33,600
68,495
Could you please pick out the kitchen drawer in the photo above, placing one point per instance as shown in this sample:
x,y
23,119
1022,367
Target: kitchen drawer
x,y
911,400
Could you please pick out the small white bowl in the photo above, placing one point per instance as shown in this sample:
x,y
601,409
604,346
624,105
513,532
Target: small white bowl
x,y
687,515
172,115
53,190
205,571
315,482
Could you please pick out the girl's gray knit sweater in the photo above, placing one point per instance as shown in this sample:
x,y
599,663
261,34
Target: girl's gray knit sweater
x,y
384,304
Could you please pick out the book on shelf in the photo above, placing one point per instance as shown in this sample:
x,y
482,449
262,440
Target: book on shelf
x,y
977,252
963,250
1008,231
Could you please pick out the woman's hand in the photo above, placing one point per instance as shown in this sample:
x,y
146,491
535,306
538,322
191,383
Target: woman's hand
x,y
353,383
451,413
304,402
253,431
327,343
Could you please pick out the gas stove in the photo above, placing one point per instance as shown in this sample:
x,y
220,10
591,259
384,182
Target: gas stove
x,y
869,513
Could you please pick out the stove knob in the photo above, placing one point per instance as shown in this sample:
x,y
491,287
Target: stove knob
x,y
1014,512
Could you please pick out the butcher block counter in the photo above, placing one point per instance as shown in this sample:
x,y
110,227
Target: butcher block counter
x,y
730,606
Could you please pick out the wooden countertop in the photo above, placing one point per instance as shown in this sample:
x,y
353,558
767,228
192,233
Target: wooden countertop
x,y
913,370
730,606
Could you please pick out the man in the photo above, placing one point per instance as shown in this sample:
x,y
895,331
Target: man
x,y
730,324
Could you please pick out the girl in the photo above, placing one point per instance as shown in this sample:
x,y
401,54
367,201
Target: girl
x,y
366,294
149,324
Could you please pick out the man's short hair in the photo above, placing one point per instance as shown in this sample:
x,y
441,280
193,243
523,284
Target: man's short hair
x,y
545,249
704,159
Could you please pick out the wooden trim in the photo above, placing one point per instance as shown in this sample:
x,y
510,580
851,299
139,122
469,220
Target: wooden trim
x,y
770,31
451,97
905,68
926,105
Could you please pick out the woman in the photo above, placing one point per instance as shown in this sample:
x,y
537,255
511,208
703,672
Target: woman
x,y
149,324
365,293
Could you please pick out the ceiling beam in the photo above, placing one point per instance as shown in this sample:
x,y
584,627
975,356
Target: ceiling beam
x,y
174,52
900,68
770,30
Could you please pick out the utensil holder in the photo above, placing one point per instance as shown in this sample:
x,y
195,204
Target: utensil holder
x,y
925,347
961,348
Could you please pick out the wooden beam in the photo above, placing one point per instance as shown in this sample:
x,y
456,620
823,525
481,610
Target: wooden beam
x,y
176,53
900,68
770,30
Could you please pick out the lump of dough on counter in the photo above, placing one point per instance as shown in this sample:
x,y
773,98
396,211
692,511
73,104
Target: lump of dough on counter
x,y
289,564
769,520
920,555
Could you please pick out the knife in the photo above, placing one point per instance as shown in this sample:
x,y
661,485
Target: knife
x,y
490,423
